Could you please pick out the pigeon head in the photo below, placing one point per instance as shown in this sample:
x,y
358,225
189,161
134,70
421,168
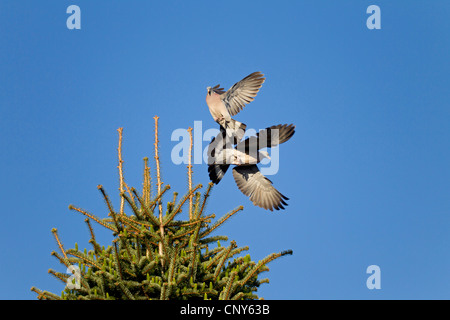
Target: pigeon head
x,y
216,89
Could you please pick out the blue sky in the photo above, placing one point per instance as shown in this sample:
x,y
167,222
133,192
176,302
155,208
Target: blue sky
x,y
367,171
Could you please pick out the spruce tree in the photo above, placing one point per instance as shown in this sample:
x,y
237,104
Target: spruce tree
x,y
153,255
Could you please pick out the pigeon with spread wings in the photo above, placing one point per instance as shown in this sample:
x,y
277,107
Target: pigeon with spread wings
x,y
224,104
246,155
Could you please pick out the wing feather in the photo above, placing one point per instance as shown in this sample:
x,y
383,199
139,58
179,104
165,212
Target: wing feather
x,y
267,138
252,183
242,92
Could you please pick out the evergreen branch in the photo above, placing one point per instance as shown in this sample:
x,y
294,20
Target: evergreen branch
x,y
213,239
238,250
181,277
134,222
191,292
240,263
169,218
211,262
183,224
132,205
175,194
138,248
62,260
163,248
212,252
195,236
71,207
220,221
130,223
223,259
126,245
43,295
96,246
205,198
227,291
79,255
146,210
39,292
196,205
182,233
152,285
125,290
117,261
148,267
238,296
173,264
143,261
262,263
152,234
194,243
112,213
55,234
64,276
91,230
93,297
157,200
58,275
100,280
164,292
148,249
193,263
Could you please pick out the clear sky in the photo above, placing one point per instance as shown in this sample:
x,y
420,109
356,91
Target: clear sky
x,y
367,172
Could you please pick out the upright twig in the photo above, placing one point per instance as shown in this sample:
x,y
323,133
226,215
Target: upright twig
x,y
55,234
159,183
190,173
146,192
120,167
122,185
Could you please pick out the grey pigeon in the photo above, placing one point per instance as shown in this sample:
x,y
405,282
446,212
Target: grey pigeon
x,y
224,104
245,156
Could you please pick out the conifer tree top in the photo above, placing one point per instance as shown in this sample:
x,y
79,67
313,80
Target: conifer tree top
x,y
153,255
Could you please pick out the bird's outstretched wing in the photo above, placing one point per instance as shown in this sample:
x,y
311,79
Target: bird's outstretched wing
x,y
242,92
255,185
267,138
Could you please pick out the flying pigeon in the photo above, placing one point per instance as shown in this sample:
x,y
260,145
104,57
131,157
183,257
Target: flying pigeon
x,y
224,104
245,156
